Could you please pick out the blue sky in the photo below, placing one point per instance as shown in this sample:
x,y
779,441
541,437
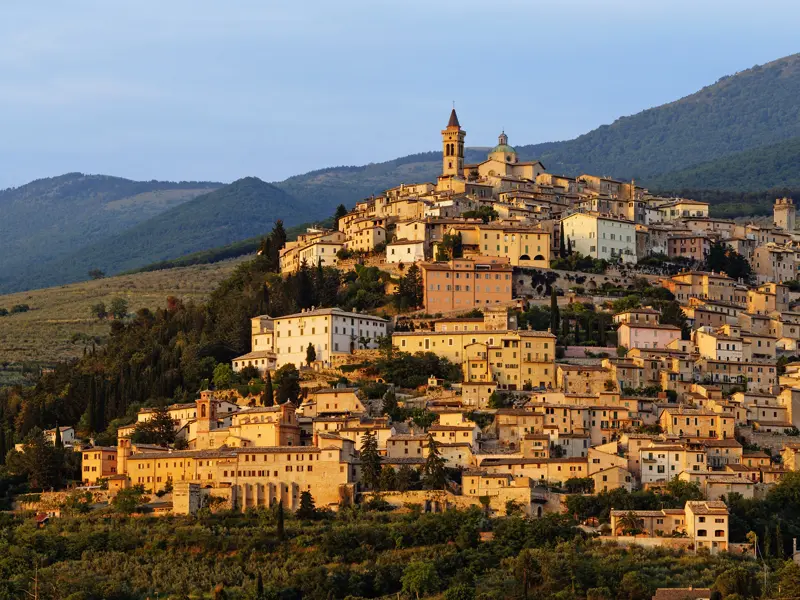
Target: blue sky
x,y
202,89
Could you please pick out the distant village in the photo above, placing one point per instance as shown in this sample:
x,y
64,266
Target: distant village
x,y
531,419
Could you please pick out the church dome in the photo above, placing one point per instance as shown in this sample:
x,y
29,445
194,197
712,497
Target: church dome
x,y
503,147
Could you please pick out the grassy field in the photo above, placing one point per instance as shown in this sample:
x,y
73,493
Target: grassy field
x,y
59,324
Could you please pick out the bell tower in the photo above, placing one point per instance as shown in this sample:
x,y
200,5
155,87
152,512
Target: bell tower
x,y
453,148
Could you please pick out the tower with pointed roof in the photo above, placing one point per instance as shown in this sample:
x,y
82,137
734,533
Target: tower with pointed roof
x,y
453,147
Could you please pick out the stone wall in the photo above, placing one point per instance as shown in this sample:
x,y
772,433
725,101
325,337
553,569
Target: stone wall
x,y
440,500
649,542
580,351
55,500
773,441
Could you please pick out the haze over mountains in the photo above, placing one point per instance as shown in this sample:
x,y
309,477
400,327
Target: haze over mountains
x,y
741,133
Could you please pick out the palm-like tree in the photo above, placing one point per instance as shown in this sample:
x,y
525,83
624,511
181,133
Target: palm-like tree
x,y
630,521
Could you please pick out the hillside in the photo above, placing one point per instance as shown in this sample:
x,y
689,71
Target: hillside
x,y
740,134
57,216
752,108
228,251
346,185
245,208
59,323
772,166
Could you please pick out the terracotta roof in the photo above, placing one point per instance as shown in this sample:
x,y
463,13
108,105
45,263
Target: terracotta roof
x,y
707,507
728,443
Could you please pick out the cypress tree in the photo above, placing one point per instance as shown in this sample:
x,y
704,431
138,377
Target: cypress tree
x,y
269,395
100,406
259,587
341,211
577,331
766,544
58,443
569,247
601,329
554,314
434,476
91,410
562,248
281,526
778,542
3,449
370,461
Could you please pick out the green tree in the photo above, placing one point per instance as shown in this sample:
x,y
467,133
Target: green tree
x,y
98,310
789,580
562,244
281,526
222,376
527,570
260,587
3,444
460,591
433,472
78,503
737,580
370,461
485,213
269,394
630,521
287,379
59,444
118,308
39,461
128,500
385,346
599,593
634,586
722,258
307,509
554,313
672,314
405,478
311,354
410,292
341,211
278,236
159,429
420,578
388,479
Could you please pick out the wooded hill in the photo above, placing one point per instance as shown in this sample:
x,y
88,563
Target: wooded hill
x,y
742,134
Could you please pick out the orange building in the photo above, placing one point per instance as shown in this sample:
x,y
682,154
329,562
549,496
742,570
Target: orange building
x,y
98,462
464,284
695,246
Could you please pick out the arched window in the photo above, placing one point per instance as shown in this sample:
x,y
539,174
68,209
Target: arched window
x,y
202,411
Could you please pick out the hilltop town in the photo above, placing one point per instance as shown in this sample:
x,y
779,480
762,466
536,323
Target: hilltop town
x,y
581,336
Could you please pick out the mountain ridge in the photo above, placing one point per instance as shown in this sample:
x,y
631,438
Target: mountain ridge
x,y
244,208
751,109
